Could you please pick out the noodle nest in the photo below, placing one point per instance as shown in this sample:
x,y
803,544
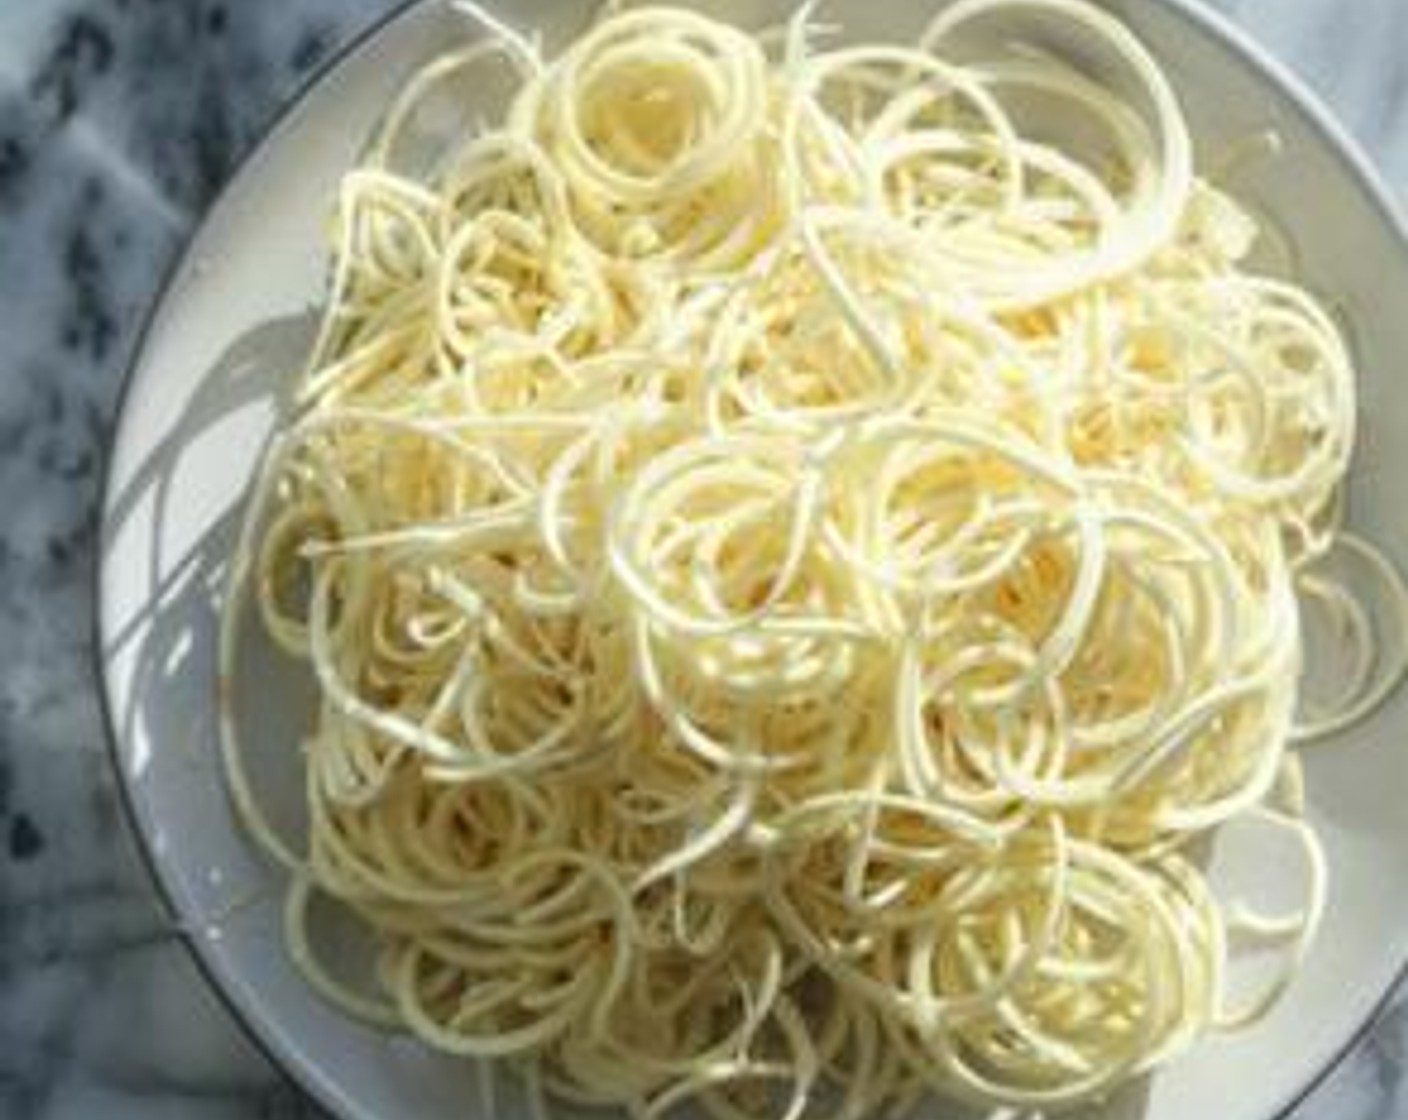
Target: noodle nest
x,y
794,557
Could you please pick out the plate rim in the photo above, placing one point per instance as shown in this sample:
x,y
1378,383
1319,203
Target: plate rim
x,y
1344,148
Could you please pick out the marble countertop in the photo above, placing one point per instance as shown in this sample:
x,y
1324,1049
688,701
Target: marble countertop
x,y
118,120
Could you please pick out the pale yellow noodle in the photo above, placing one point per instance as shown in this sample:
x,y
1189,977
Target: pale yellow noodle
x,y
792,557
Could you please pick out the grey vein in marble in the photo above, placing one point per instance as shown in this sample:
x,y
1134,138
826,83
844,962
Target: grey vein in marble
x,y
118,120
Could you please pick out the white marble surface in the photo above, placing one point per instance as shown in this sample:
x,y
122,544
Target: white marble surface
x,y
118,119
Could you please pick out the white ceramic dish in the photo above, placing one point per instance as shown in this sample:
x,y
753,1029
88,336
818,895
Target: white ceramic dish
x,y
235,318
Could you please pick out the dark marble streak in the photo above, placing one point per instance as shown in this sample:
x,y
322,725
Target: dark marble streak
x,y
76,258
182,87
118,120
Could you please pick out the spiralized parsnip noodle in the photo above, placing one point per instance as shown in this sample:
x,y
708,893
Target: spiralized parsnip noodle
x,y
793,557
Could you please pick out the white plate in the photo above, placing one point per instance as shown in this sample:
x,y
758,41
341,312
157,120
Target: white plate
x,y
235,319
